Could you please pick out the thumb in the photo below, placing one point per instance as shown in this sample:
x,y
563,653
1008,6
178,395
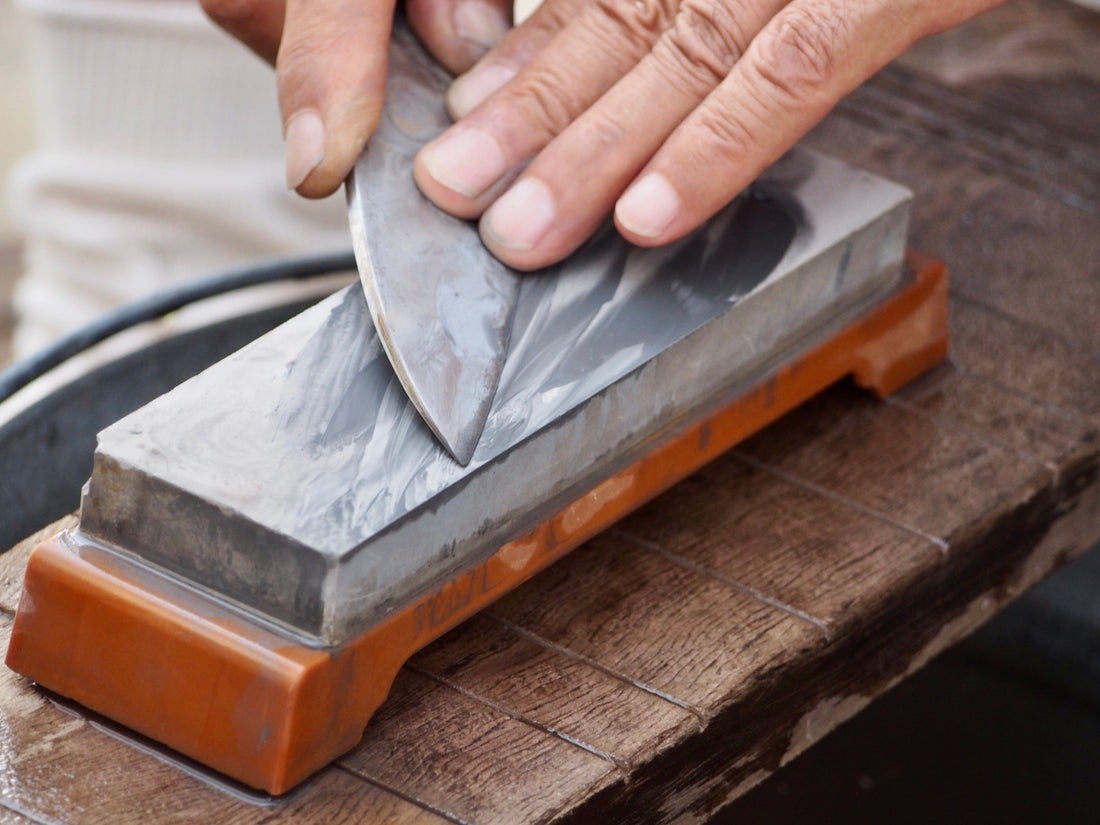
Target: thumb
x,y
331,74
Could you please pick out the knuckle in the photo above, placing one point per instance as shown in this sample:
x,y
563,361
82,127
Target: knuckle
x,y
544,99
642,20
797,55
602,136
548,19
707,38
722,139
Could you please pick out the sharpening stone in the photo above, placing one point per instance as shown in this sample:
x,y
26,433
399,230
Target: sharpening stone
x,y
296,478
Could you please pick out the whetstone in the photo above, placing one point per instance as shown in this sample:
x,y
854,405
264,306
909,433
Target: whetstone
x,y
295,478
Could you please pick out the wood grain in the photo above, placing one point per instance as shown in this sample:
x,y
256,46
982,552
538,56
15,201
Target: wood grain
x,y
1035,431
1022,359
974,134
781,541
989,562
705,640
512,669
901,466
471,761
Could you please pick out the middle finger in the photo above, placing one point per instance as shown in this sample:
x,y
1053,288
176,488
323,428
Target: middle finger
x,y
571,187
465,168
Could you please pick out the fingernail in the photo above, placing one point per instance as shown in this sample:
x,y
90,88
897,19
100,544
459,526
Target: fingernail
x,y
479,23
305,146
466,161
521,216
468,90
648,207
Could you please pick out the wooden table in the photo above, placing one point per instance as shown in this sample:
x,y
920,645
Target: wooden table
x,y
670,664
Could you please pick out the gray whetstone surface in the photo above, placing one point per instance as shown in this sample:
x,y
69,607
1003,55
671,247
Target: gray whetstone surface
x,y
296,478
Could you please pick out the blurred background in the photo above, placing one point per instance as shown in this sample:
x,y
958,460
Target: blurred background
x,y
140,148
16,139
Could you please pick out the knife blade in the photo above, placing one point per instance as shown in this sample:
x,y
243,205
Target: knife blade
x,y
442,305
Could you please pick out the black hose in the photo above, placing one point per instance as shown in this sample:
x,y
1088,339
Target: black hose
x,y
162,303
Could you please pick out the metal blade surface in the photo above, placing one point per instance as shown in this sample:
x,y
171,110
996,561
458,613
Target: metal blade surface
x,y
441,303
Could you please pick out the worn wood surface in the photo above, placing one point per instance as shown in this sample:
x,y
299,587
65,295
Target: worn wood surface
x,y
671,663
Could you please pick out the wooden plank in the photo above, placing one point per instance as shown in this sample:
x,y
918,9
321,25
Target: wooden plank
x,y
1011,93
1045,369
923,593
691,637
977,134
506,667
999,247
888,615
1035,431
891,551
905,467
560,609
783,542
933,609
750,527
472,761
1016,536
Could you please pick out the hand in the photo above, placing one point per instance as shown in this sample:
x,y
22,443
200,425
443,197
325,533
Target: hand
x,y
659,110
330,64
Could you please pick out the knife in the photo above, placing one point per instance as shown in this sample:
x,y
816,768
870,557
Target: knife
x,y
442,305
